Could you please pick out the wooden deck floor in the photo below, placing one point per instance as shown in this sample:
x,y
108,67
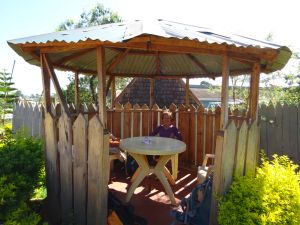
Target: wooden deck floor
x,y
150,200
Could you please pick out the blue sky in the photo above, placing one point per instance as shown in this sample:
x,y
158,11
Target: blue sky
x,y
254,18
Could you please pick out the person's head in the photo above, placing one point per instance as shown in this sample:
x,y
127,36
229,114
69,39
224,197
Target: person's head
x,y
166,118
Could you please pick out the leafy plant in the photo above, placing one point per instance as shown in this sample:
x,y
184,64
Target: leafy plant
x,y
7,95
21,166
271,197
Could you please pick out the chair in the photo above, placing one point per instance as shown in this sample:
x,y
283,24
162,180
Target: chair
x,y
204,170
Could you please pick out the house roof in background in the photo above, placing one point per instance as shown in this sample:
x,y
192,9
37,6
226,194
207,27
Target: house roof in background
x,y
166,92
157,48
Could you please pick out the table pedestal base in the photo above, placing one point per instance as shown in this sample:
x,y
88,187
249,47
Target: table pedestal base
x,y
161,172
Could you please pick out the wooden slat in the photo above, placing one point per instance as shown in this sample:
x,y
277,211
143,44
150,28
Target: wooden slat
x,y
200,134
263,128
116,120
146,114
136,122
209,132
241,149
293,136
52,170
192,132
276,144
183,117
98,169
228,156
271,127
127,120
66,173
80,169
217,178
252,149
155,116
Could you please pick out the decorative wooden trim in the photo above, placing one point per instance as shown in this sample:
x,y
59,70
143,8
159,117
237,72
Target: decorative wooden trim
x,y
224,92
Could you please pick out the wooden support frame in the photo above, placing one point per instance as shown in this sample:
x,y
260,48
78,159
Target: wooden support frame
x,y
54,79
224,92
101,72
254,92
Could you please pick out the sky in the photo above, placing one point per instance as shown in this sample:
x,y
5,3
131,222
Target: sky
x,y
252,18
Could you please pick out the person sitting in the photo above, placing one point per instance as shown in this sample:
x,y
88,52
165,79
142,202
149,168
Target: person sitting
x,y
167,129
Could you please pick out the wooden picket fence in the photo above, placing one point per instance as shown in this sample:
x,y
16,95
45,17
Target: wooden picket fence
x,y
280,130
77,179
279,125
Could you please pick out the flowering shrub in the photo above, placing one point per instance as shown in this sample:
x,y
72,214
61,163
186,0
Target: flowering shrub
x,y
271,197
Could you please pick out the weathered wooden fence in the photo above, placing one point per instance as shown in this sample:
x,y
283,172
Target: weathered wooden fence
x,y
28,116
280,130
279,126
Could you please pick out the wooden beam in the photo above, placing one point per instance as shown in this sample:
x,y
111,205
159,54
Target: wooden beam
x,y
154,43
187,91
199,64
76,91
117,60
54,79
46,86
74,56
224,92
101,84
254,92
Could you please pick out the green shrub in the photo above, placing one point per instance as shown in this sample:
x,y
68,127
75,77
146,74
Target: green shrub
x,y
271,197
21,166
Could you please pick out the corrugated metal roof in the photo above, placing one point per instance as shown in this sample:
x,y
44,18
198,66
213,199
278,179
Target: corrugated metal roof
x,y
177,64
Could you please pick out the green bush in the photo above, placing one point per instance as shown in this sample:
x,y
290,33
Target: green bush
x,y
271,197
21,166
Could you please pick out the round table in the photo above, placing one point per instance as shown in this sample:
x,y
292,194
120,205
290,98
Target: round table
x,y
140,147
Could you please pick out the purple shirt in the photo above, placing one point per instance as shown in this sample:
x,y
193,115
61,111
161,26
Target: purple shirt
x,y
171,132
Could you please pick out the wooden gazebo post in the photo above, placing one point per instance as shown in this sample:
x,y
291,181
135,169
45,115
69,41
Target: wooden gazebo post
x,y
217,183
254,92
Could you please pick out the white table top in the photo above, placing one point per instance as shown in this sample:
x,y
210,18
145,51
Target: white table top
x,y
152,145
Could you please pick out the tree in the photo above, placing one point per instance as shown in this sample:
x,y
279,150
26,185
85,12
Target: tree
x,y
96,16
7,95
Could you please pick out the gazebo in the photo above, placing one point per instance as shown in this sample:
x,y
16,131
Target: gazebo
x,y
76,149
